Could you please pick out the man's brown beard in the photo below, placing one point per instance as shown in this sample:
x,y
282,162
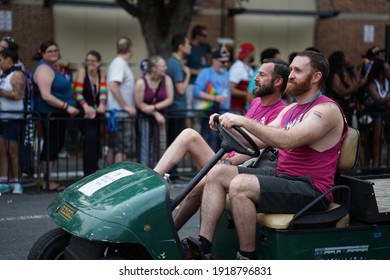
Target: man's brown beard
x,y
296,88
264,91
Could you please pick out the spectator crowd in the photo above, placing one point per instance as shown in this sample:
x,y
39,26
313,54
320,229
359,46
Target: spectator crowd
x,y
196,80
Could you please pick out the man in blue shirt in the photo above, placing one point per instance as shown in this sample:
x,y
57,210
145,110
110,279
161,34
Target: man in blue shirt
x,y
212,94
180,75
198,59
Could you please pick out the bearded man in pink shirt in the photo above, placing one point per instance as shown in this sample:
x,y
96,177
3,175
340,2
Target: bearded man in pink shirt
x,y
271,82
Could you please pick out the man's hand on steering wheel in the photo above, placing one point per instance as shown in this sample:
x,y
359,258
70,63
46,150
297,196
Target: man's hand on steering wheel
x,y
231,142
212,122
229,120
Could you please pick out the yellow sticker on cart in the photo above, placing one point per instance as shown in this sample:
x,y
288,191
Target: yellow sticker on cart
x,y
67,211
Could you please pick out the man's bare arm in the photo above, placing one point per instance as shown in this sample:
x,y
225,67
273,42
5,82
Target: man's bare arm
x,y
323,121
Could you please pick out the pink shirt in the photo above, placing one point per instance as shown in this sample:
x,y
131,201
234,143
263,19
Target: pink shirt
x,y
262,114
304,161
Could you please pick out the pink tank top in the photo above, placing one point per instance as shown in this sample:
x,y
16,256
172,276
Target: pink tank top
x,y
304,161
264,114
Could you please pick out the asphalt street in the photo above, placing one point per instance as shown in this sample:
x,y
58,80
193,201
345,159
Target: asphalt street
x,y
23,219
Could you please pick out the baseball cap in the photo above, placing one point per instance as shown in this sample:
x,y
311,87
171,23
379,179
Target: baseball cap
x,y
218,54
373,51
8,39
244,49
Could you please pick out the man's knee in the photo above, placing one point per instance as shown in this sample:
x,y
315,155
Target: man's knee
x,y
188,136
216,173
237,185
244,184
189,133
194,136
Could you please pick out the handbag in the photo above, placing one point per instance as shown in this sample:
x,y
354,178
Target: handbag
x,y
267,160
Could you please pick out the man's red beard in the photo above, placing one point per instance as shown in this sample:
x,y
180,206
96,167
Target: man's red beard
x,y
295,88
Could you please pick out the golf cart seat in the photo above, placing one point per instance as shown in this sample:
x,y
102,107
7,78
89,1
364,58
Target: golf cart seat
x,y
337,215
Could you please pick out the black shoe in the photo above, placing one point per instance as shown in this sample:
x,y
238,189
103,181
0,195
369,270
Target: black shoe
x,y
241,257
193,249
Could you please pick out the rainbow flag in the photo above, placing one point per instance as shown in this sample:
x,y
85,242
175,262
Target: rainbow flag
x,y
224,50
201,104
367,66
375,50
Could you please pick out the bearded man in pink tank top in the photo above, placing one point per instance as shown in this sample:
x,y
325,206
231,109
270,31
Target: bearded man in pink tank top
x,y
271,82
308,134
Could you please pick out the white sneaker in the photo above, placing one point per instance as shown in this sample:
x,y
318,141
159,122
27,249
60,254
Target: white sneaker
x,y
18,189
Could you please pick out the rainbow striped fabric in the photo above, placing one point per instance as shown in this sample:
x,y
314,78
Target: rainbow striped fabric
x,y
103,93
367,66
78,90
210,90
225,50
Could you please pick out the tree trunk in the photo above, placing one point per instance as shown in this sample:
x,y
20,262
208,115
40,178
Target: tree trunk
x,y
160,21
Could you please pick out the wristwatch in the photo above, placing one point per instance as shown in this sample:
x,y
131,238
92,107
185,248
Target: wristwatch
x,y
227,161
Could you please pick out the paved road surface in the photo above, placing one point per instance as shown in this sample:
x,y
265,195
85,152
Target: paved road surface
x,y
23,219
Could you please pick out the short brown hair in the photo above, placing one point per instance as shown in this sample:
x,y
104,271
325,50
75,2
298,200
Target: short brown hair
x,y
318,63
281,70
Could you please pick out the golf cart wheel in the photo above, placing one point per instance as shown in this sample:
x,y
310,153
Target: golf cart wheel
x,y
50,246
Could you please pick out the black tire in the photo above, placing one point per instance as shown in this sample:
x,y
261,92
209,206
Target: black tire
x,y
50,246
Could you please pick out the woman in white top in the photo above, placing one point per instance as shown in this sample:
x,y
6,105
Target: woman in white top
x,y
12,86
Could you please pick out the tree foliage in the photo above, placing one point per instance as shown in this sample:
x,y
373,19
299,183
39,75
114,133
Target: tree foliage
x,y
160,20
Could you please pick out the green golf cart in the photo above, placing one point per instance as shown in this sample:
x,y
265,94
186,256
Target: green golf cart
x,y
125,212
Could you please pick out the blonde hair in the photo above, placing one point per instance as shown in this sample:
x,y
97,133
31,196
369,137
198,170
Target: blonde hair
x,y
152,61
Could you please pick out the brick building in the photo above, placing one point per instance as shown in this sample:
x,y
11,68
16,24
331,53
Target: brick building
x,y
346,31
32,23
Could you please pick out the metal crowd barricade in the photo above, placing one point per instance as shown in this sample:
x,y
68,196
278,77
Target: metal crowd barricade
x,y
67,164
68,167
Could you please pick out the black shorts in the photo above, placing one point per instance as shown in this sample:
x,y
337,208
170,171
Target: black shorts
x,y
283,194
10,130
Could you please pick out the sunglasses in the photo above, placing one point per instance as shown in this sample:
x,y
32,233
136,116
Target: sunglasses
x,y
8,39
224,62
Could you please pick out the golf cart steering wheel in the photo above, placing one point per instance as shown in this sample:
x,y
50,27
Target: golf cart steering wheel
x,y
231,142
